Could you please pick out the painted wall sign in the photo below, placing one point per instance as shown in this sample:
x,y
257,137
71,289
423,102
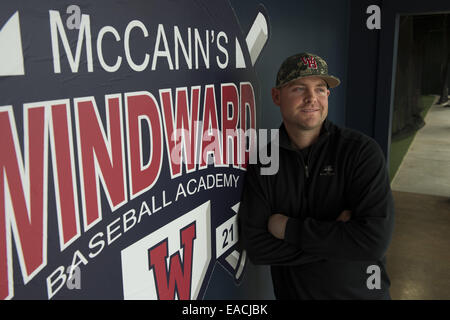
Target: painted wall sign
x,y
123,144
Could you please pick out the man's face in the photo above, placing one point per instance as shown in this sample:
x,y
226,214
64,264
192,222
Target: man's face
x,y
303,102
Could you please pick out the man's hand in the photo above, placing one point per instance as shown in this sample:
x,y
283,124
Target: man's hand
x,y
277,225
344,216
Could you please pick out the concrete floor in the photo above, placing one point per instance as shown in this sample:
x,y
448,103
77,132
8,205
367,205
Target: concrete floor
x,y
426,167
418,259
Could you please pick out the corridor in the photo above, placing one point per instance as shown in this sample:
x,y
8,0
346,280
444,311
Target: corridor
x,y
418,259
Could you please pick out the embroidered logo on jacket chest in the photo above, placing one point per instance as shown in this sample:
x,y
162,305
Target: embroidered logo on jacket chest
x,y
327,171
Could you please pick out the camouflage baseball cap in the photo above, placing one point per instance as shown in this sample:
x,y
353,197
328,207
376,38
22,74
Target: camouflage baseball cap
x,y
304,65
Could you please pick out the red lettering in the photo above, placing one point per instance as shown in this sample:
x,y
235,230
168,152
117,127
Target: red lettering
x,y
311,62
185,127
64,173
230,101
143,106
248,120
210,138
100,157
178,274
23,203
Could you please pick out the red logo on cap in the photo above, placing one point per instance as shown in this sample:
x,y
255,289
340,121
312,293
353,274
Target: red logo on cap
x,y
310,61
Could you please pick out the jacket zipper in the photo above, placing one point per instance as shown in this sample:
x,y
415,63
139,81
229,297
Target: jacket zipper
x,y
308,160
311,151
302,163
306,166
305,183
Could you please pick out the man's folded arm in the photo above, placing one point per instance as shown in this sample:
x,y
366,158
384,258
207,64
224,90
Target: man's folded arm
x,y
254,212
367,234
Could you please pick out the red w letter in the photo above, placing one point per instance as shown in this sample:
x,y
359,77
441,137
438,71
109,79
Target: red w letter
x,y
178,275
181,129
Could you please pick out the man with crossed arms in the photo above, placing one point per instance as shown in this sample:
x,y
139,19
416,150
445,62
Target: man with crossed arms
x,y
325,219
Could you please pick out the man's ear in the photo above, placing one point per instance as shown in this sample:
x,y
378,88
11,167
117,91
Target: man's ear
x,y
328,93
276,96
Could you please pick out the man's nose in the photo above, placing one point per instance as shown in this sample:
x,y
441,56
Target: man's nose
x,y
310,95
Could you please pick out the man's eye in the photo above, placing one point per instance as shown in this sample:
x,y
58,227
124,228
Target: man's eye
x,y
299,89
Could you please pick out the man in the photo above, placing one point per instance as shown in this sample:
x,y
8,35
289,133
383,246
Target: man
x,y
324,220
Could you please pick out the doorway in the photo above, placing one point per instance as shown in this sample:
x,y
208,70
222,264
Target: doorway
x,y
419,162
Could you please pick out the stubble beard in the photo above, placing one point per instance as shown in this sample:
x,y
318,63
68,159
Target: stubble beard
x,y
303,124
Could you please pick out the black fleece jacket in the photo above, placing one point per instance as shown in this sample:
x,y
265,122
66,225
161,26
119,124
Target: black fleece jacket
x,y
321,258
